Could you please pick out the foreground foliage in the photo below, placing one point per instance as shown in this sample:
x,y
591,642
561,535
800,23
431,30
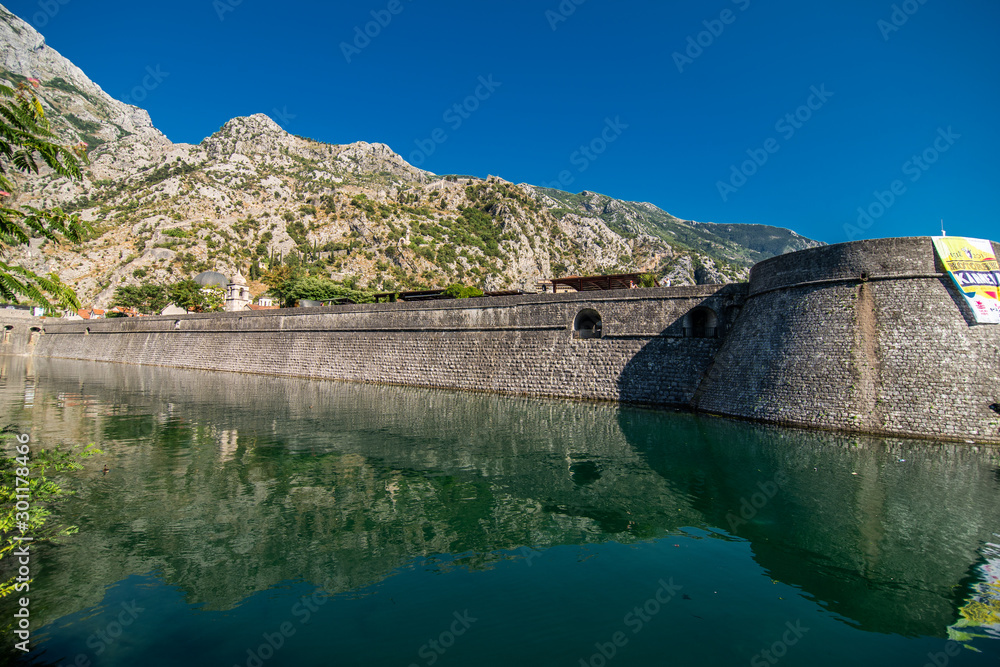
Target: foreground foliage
x,y
43,490
25,139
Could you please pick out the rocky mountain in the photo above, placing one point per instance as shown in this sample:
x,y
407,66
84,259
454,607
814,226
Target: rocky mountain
x,y
252,195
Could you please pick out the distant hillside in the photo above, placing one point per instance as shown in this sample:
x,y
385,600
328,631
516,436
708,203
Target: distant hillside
x,y
252,195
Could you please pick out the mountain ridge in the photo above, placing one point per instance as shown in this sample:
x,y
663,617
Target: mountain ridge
x,y
251,194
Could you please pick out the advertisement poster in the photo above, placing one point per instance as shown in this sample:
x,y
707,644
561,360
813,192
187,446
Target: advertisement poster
x,y
974,268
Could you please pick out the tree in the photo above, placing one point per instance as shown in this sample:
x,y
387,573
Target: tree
x,y
276,279
647,280
154,298
317,288
25,138
126,296
212,299
191,296
457,291
149,299
186,294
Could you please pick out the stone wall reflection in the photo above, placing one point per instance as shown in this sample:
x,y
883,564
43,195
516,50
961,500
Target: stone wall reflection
x,y
226,485
885,532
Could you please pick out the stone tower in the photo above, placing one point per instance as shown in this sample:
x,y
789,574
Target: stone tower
x,y
237,293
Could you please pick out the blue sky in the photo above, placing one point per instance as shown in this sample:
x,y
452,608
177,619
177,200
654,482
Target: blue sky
x,y
787,113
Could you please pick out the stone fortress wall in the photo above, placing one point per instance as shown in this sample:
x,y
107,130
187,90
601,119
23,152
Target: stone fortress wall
x,y
533,344
869,336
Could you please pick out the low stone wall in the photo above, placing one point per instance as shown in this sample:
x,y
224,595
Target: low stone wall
x,y
869,336
514,345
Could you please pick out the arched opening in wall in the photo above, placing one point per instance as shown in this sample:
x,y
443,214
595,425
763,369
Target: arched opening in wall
x,y
33,336
6,333
587,324
86,331
177,324
701,323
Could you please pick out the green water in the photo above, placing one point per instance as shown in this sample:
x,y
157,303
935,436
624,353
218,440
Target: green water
x,y
260,521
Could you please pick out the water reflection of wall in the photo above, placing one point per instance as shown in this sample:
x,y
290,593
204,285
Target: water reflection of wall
x,y
227,485
882,531
359,496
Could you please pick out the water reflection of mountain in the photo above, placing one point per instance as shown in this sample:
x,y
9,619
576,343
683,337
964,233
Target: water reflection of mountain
x,y
228,485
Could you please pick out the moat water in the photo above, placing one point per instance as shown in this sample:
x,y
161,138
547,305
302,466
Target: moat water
x,y
253,521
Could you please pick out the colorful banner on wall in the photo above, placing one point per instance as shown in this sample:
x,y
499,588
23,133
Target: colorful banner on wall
x,y
974,268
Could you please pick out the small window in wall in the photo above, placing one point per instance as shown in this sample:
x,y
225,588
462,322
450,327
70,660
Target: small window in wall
x,y
177,324
86,331
587,324
6,333
33,336
701,323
